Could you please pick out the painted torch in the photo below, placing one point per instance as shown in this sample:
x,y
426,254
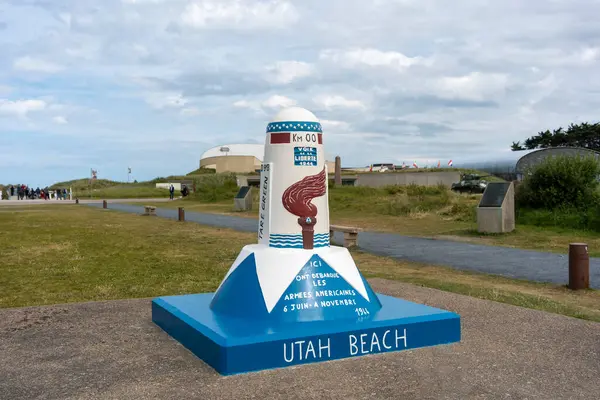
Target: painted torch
x,y
294,207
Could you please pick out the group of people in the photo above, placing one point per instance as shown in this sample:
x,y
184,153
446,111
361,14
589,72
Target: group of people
x,y
184,191
24,192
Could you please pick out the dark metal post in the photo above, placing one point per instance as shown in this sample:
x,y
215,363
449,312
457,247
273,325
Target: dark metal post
x,y
338,171
579,266
181,214
104,204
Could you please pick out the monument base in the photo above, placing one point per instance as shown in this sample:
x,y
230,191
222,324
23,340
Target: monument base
x,y
234,345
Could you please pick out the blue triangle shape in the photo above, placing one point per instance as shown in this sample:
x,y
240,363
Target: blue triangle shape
x,y
318,293
240,295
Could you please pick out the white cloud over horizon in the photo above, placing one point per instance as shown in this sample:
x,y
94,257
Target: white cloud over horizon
x,y
391,80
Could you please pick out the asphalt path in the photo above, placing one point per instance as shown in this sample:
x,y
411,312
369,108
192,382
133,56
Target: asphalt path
x,y
508,262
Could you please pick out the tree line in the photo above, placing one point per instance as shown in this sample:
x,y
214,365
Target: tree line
x,y
584,135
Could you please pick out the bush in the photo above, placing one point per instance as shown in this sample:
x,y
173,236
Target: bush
x,y
216,187
560,183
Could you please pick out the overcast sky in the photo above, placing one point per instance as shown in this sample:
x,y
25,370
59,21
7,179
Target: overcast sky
x,y
152,84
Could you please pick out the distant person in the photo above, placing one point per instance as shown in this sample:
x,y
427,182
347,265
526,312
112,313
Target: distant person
x,y
171,192
65,194
184,191
12,190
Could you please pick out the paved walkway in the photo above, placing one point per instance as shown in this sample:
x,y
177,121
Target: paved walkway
x,y
112,350
508,262
82,201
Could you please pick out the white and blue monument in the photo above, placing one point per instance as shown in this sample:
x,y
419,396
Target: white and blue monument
x,y
293,298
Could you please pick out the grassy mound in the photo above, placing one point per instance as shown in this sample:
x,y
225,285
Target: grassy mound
x,y
201,171
107,189
402,201
212,188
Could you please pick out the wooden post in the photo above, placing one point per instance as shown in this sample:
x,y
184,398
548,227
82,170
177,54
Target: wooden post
x,y
104,204
338,171
181,214
579,266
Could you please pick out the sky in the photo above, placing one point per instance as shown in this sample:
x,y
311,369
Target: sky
x,y
152,84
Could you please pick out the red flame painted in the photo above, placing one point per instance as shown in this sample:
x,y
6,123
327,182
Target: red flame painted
x,y
297,198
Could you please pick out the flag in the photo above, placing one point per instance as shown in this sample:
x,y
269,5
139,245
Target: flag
x,y
438,163
415,164
450,163
129,170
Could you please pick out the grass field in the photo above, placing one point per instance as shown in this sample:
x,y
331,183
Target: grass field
x,y
106,189
434,212
127,191
65,254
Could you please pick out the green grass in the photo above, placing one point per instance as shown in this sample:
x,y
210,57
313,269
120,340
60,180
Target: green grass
x,y
417,211
106,189
484,175
539,296
201,171
127,191
62,254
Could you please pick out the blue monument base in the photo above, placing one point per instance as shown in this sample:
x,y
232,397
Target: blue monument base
x,y
233,345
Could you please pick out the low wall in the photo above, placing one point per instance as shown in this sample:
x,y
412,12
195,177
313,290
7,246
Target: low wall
x,y
177,186
407,178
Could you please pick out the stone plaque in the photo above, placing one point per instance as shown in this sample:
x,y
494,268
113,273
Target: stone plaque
x,y
494,194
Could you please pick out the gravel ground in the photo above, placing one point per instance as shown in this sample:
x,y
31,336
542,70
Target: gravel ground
x,y
508,262
112,350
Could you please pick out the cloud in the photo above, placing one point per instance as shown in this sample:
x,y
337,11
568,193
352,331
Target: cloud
x,y
400,81
190,112
284,72
21,108
273,102
590,55
160,100
475,86
370,57
32,64
59,119
238,14
336,101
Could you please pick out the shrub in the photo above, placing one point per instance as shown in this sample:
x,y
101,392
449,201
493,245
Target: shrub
x,y
216,187
560,183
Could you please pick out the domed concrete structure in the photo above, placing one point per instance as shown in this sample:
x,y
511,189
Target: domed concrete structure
x,y
237,157
533,158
